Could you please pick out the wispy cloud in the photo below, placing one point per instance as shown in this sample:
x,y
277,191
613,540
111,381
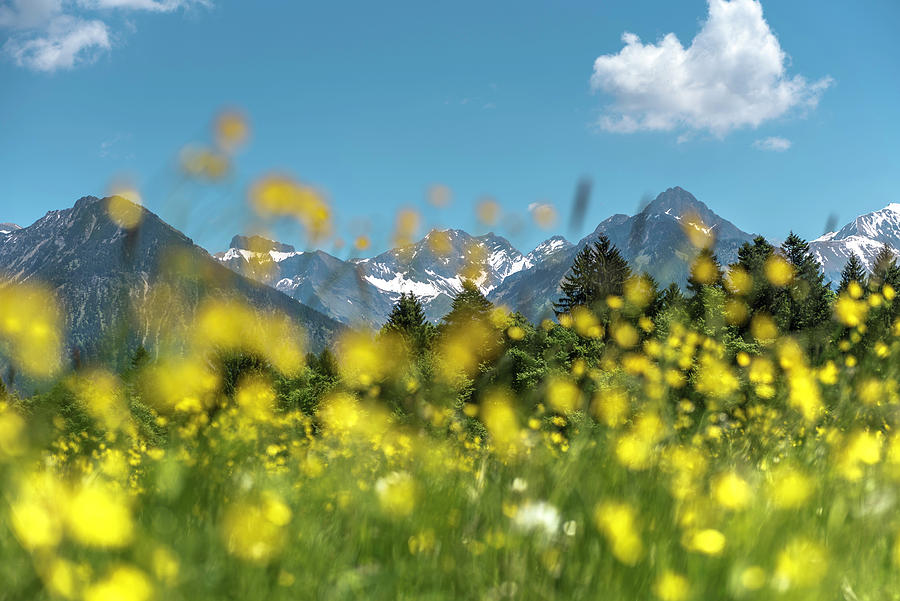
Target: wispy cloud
x,y
65,42
773,144
110,148
148,5
732,75
49,35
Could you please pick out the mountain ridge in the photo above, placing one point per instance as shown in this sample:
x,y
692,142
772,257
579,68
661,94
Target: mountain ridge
x,y
362,291
865,236
654,240
103,273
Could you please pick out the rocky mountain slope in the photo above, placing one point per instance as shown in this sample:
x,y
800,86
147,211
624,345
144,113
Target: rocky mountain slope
x,y
106,276
653,241
364,290
100,271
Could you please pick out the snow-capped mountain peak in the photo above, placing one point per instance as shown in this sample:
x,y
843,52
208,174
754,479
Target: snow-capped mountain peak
x,y
502,257
432,268
882,225
546,248
864,236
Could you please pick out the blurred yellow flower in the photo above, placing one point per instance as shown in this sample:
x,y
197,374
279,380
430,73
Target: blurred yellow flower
x,y
281,196
488,211
731,491
697,232
439,195
31,329
849,311
397,494
124,583
124,208
790,488
499,416
618,522
255,530
99,516
738,281
231,130
672,586
544,215
778,271
563,395
802,563
708,541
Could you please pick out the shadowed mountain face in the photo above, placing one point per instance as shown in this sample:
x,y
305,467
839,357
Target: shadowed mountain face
x,y
334,287
653,241
108,278
260,244
864,237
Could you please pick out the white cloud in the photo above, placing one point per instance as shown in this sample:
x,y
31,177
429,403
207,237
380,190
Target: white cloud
x,y
774,143
149,5
732,75
65,42
48,35
22,14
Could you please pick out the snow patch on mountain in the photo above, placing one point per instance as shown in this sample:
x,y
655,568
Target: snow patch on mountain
x,y
548,247
426,291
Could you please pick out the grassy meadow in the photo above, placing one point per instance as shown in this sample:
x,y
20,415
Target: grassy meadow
x,y
701,453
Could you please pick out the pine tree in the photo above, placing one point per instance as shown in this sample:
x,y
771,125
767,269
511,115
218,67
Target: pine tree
x,y
468,305
654,305
809,296
706,275
140,358
752,256
764,297
853,271
407,314
671,297
881,318
884,270
407,319
578,285
599,271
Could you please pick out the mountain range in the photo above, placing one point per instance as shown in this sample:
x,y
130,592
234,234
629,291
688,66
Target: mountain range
x,y
100,270
107,278
364,290
654,240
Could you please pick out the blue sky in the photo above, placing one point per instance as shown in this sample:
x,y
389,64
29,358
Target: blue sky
x,y
374,102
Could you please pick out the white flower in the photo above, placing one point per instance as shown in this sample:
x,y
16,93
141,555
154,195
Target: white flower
x,y
537,516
